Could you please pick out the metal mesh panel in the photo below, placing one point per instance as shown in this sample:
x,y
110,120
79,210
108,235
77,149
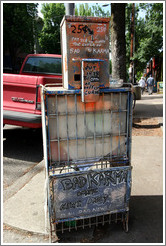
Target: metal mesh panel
x,y
86,131
88,140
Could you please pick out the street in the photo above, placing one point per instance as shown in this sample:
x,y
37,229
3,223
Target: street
x,y
22,156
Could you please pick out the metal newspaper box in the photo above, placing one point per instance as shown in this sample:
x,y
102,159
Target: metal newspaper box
x,y
86,132
84,38
87,154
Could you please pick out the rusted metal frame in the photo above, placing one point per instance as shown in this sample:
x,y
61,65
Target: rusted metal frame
x,y
83,223
44,131
120,101
109,220
90,137
53,235
85,130
78,91
48,132
129,125
75,224
62,227
89,218
128,190
69,227
102,127
67,127
82,81
76,125
100,111
56,99
95,132
106,218
96,162
111,128
103,220
100,213
125,219
113,90
116,218
117,168
96,220
90,222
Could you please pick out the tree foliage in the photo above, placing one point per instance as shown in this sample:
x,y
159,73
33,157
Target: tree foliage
x,y
50,35
152,41
18,28
148,33
86,10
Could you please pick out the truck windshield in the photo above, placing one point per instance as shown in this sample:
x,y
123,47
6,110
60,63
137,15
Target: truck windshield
x,y
44,65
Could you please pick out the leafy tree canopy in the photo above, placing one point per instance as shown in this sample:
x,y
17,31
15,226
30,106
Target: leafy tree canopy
x,y
18,28
50,35
86,10
148,33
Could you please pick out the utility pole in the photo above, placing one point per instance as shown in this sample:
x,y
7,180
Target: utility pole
x,y
70,8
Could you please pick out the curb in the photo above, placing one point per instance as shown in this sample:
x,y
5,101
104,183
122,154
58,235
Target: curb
x,y
24,231
22,181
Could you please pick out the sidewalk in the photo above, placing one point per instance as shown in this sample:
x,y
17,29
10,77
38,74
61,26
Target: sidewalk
x,y
25,209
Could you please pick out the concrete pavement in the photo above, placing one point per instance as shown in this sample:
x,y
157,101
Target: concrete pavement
x,y
25,209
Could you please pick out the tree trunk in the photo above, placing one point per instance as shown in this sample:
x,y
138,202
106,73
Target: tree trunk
x,y
118,42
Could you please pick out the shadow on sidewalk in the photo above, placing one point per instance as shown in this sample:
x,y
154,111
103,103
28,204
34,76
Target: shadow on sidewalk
x,y
23,144
153,96
148,110
145,225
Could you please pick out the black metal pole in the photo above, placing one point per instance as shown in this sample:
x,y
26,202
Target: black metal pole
x,y
70,8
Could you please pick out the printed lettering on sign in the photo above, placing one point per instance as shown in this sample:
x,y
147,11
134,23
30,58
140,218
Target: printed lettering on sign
x,y
91,192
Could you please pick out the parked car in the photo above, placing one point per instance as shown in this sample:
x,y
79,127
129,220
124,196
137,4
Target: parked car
x,y
21,92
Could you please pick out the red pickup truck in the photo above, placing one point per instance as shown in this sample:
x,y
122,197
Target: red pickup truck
x,y
21,93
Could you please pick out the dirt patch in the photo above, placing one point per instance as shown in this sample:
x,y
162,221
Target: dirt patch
x,y
146,127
